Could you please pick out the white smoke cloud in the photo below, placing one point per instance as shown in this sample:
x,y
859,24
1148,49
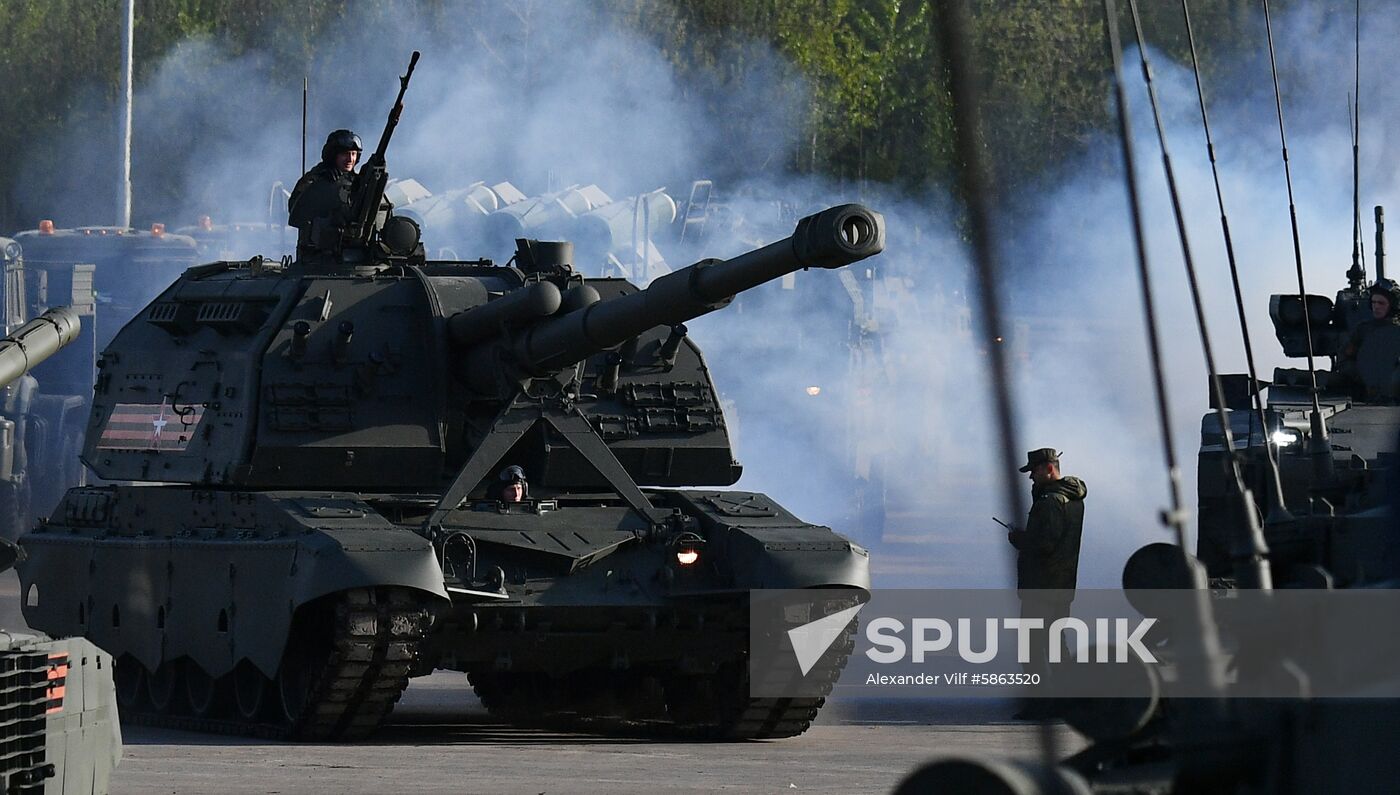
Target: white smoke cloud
x,y
553,94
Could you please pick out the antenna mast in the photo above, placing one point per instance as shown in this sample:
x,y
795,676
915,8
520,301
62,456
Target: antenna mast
x,y
974,181
1250,553
1319,446
1205,654
1357,275
1280,510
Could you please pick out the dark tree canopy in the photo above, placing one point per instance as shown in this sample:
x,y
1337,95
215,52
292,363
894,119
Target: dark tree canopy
x,y
874,107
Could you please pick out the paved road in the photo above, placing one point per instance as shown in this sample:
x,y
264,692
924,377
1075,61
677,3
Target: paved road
x,y
440,739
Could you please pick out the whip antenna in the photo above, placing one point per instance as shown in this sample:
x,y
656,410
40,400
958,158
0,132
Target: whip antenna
x,y
1357,275
974,180
1318,444
1175,516
1271,451
1206,655
1249,552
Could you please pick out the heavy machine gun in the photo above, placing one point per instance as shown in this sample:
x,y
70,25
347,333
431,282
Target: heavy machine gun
x,y
367,193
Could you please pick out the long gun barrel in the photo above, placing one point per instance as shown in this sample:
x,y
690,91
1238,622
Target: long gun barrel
x,y
832,238
36,341
368,190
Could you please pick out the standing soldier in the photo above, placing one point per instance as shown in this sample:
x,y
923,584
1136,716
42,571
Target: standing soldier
x,y
320,203
1047,563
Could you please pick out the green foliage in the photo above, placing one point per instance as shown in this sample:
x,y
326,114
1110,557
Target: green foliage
x,y
871,107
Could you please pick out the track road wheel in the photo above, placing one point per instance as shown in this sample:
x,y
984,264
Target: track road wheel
x,y
205,696
249,691
162,686
302,668
130,680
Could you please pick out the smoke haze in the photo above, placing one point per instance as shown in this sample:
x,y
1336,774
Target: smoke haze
x,y
568,96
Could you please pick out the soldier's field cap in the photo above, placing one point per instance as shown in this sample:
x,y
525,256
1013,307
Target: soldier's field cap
x,y
1045,455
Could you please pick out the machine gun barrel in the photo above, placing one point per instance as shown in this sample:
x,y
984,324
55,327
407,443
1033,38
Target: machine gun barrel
x,y
831,238
36,341
368,191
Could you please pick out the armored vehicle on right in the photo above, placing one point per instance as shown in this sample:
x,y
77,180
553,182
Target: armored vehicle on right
x,y
1333,527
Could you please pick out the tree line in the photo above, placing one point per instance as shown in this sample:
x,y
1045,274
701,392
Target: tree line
x,y
878,108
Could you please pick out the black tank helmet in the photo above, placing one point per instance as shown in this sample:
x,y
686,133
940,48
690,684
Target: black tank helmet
x,y
1389,289
340,141
509,476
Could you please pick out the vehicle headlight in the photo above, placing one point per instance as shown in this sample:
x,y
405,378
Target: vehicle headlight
x,y
1285,436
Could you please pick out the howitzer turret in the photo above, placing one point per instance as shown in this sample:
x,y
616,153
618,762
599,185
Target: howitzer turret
x,y
345,434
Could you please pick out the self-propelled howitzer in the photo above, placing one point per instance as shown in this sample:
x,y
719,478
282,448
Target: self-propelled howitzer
x,y
331,520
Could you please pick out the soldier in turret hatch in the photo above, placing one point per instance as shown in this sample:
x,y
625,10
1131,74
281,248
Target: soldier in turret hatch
x,y
320,203
1047,560
1385,311
513,485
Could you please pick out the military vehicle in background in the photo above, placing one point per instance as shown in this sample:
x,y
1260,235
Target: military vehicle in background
x,y
240,240
58,721
106,275
1318,456
41,428
611,238
326,437
128,267
1334,527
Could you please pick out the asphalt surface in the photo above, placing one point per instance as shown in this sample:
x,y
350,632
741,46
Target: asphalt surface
x,y
440,739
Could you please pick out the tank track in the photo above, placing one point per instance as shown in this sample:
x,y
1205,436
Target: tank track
x,y
373,646
714,706
717,706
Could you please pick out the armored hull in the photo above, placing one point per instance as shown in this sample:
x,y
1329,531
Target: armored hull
x,y
225,623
